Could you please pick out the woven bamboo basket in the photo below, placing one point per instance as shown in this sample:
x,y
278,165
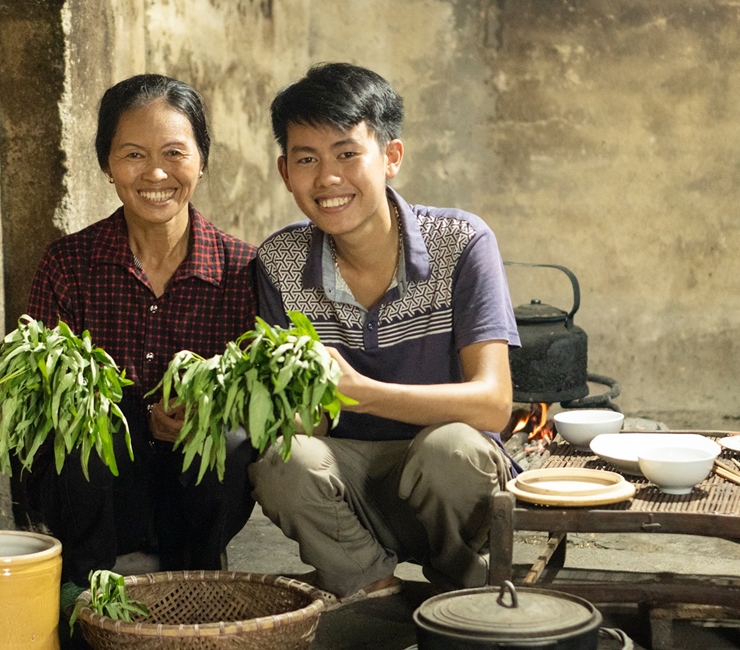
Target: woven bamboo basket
x,y
210,610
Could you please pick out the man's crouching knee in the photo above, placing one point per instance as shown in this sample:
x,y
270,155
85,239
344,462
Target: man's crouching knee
x,y
279,484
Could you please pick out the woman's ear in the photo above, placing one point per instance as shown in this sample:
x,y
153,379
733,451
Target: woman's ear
x,y
393,157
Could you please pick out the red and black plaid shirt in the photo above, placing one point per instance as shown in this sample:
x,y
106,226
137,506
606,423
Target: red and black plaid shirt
x,y
89,280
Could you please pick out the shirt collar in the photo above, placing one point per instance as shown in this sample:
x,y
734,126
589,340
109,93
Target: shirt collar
x,y
415,253
205,258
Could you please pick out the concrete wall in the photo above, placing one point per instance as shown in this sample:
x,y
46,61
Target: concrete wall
x,y
600,136
614,150
32,162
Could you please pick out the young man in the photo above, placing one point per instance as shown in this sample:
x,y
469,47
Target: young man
x,y
414,305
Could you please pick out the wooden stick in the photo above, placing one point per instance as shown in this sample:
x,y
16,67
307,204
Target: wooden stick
x,y
541,562
728,475
718,462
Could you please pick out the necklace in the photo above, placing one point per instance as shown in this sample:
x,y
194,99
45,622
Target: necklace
x,y
138,263
333,246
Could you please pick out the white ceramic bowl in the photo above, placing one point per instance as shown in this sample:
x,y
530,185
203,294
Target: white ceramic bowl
x,y
676,470
622,449
580,426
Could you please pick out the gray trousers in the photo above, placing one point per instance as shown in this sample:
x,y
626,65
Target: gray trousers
x,y
357,508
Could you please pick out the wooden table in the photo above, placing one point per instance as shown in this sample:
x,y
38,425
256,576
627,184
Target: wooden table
x,y
712,509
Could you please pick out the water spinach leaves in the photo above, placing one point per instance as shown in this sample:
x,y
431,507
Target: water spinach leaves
x,y
53,382
272,380
108,598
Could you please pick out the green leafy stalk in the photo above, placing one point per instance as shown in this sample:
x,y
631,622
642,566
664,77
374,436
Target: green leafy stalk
x,y
108,598
272,381
53,382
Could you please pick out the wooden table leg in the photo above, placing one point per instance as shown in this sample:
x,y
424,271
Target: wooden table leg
x,y
501,539
552,557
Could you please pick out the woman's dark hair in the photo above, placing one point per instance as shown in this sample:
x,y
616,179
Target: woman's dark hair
x,y
140,90
341,95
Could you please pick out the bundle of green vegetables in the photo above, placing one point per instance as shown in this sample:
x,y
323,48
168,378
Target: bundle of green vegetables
x,y
271,380
53,381
108,597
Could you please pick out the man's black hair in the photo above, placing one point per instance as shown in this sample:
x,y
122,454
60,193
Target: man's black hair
x,y
341,95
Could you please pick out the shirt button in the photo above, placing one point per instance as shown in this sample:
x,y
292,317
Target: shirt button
x,y
149,356
153,309
370,326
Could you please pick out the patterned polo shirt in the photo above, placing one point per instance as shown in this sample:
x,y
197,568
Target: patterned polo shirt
x,y
450,292
89,280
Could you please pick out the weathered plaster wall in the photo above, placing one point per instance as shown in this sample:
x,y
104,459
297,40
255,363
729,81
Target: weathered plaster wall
x,y
613,152
31,162
104,43
600,136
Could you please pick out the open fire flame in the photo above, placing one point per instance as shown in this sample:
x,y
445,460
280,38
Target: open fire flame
x,y
535,424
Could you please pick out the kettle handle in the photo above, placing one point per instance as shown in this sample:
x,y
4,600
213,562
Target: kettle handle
x,y
573,281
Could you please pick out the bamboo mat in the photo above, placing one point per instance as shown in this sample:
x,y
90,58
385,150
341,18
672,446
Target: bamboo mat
x,y
714,495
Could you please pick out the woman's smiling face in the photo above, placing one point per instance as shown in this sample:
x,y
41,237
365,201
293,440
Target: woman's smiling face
x,y
155,163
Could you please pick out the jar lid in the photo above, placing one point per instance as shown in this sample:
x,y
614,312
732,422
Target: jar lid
x,y
507,613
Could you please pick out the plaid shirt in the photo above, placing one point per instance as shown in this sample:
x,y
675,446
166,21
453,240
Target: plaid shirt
x,y
89,280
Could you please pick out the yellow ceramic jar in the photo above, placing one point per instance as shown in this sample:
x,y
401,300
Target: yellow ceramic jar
x,y
30,577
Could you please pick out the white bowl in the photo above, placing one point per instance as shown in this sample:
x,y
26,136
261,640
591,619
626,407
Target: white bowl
x,y
676,470
580,426
622,449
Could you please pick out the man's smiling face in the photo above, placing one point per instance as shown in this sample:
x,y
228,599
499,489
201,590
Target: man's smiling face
x,y
338,177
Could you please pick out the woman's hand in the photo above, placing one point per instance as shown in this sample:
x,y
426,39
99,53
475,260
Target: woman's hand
x,y
166,425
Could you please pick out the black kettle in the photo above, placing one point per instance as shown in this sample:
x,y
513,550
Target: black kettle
x,y
551,365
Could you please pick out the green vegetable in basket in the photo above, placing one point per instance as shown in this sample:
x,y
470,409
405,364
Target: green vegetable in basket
x,y
53,382
271,380
108,598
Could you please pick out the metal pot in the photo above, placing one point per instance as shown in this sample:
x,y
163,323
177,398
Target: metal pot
x,y
551,365
507,619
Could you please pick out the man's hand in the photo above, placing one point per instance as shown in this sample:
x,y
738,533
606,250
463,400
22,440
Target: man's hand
x,y
350,381
166,425
482,400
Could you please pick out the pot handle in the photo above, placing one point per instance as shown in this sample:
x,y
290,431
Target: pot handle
x,y
508,587
573,281
613,633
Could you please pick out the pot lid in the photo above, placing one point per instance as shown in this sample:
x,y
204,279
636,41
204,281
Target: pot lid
x,y
506,614
537,311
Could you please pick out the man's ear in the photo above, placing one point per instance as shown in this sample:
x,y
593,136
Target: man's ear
x,y
393,157
282,164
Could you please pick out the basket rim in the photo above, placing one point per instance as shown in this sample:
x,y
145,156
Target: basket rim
x,y
221,628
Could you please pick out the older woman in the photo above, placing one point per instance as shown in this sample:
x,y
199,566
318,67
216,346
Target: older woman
x,y
152,279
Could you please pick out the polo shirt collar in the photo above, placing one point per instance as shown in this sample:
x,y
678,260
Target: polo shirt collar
x,y
417,265
205,258
416,256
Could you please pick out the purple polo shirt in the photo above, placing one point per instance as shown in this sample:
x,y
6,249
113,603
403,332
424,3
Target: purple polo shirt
x,y
450,292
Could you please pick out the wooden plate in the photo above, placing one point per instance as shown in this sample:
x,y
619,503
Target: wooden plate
x,y
574,487
574,481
